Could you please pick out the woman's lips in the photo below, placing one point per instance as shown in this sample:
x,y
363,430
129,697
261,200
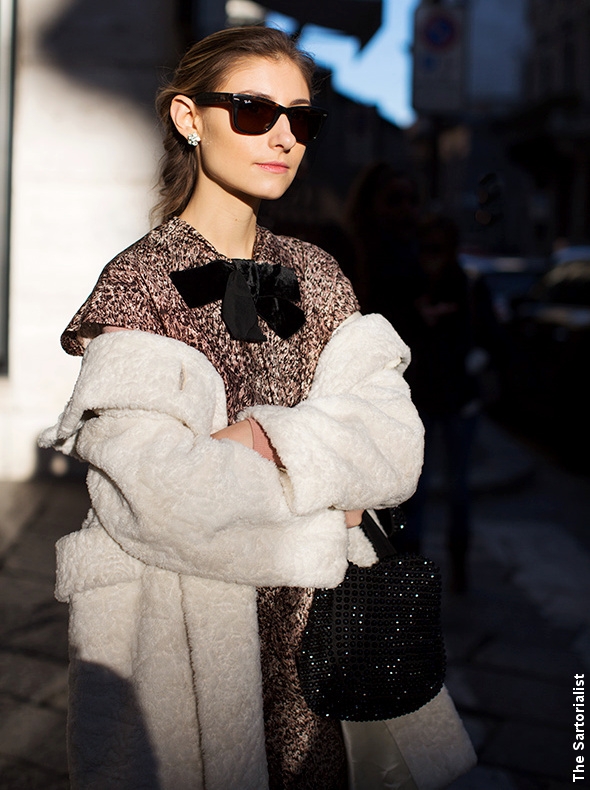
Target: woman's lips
x,y
273,167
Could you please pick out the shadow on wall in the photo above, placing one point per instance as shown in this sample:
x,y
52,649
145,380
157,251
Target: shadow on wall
x,y
122,48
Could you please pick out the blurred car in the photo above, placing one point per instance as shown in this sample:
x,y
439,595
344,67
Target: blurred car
x,y
506,281
546,389
570,253
506,278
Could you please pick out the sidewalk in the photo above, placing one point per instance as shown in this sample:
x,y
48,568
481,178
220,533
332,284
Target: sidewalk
x,y
517,639
514,641
33,633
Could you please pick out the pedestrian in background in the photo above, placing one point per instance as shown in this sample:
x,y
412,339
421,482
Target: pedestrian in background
x,y
452,336
382,217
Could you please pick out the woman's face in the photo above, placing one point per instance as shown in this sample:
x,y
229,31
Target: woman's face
x,y
252,167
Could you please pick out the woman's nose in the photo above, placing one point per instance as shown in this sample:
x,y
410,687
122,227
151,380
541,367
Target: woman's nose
x,y
281,133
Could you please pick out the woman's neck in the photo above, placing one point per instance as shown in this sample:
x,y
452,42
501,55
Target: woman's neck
x,y
226,221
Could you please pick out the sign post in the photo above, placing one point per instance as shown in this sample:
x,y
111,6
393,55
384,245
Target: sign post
x,y
439,59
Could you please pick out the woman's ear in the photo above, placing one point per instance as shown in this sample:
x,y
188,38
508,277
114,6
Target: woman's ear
x,y
184,115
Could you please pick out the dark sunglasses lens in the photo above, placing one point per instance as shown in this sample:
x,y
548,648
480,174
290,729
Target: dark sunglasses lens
x,y
306,123
256,116
253,116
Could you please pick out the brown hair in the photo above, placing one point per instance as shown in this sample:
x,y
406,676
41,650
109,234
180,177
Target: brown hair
x,y
203,69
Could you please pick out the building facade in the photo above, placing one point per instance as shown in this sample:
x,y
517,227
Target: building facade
x,y
525,118
457,144
551,139
83,158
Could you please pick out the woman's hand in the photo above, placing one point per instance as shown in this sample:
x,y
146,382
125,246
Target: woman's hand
x,y
251,435
240,432
353,518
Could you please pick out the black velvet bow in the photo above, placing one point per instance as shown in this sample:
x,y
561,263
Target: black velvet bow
x,y
248,290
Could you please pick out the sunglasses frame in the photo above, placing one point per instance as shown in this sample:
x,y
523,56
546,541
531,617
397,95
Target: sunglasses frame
x,y
234,100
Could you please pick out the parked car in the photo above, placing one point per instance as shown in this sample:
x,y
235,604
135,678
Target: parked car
x,y
545,386
506,278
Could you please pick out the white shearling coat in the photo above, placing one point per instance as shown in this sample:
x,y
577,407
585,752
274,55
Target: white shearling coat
x,y
161,580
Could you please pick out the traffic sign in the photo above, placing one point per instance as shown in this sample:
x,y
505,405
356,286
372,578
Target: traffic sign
x,y
439,62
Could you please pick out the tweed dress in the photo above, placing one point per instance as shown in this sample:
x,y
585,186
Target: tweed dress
x,y
134,291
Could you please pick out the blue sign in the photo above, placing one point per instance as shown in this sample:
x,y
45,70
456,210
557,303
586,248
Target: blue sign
x,y
439,31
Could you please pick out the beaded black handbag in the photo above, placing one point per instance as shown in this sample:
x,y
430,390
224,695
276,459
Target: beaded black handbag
x,y
373,647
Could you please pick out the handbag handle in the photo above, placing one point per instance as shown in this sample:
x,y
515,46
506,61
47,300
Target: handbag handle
x,y
379,541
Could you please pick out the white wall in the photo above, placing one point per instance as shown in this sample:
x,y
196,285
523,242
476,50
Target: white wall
x,y
84,166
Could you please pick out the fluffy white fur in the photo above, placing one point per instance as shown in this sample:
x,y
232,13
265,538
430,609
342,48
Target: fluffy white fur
x,y
356,441
161,580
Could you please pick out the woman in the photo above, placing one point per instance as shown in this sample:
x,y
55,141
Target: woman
x,y
232,437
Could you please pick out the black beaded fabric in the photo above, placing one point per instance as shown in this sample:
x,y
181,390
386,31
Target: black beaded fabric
x,y
373,647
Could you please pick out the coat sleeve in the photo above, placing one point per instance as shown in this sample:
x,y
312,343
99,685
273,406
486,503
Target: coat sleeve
x,y
357,440
141,415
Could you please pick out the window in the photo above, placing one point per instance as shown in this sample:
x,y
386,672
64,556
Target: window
x,y
7,15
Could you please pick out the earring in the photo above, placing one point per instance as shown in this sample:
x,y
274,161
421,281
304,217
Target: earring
x,y
193,139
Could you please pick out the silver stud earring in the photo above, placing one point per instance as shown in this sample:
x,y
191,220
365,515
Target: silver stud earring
x,y
193,139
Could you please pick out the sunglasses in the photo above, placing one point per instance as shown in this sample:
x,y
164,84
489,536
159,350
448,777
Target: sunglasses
x,y
254,115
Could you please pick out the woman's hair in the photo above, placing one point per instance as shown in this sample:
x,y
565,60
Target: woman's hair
x,y
204,68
